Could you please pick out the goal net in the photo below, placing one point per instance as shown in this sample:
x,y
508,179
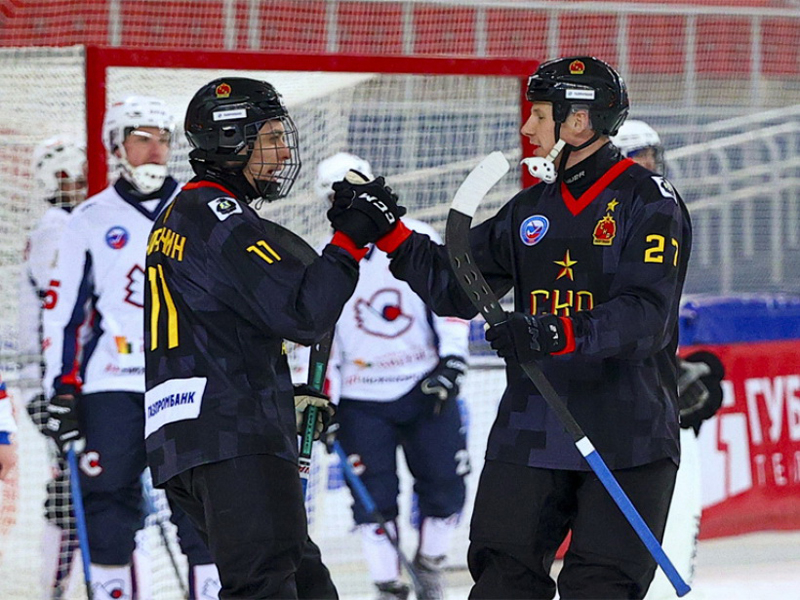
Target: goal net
x,y
413,87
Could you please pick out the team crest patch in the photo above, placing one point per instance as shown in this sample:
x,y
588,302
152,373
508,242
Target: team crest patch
x,y
117,237
604,231
533,229
224,207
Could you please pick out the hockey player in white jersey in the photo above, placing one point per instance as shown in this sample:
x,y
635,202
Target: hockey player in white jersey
x,y
93,340
8,450
699,397
396,369
59,174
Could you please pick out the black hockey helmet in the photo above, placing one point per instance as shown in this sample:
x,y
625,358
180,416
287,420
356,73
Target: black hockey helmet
x,y
224,118
582,80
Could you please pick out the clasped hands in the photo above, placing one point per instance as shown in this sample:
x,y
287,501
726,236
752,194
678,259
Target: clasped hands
x,y
364,211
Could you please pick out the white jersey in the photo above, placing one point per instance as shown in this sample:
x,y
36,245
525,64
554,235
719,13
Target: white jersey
x,y
7,423
99,273
40,258
387,340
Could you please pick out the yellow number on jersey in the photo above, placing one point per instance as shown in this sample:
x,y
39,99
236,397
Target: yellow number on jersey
x,y
655,253
269,258
156,275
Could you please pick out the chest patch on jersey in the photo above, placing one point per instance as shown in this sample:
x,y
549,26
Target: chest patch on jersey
x,y
382,315
171,401
533,229
604,231
224,207
117,237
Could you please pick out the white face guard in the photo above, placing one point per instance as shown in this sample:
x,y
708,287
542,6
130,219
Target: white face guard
x,y
543,168
146,178
130,114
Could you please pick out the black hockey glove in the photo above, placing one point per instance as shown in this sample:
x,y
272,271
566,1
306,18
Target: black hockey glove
x,y
444,382
305,396
365,212
699,388
62,423
522,338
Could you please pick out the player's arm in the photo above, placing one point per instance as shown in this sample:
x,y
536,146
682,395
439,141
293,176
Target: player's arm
x,y
66,304
274,288
425,265
646,289
29,320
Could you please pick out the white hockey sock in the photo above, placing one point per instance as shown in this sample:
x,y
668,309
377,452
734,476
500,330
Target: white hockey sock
x,y
111,582
435,535
204,582
382,560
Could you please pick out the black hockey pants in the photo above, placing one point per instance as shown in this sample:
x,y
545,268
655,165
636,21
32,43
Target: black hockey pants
x,y
522,515
250,511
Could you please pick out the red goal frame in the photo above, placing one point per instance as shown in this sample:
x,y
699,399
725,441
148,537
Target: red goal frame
x,y
98,59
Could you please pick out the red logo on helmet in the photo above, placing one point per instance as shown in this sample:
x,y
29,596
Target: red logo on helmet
x,y
576,67
223,90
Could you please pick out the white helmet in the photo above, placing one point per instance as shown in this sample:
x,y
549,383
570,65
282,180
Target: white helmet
x,y
635,135
57,161
122,118
334,168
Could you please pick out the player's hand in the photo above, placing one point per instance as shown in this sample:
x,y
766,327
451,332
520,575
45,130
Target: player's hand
x,y
699,388
522,338
304,397
62,423
365,211
329,435
444,382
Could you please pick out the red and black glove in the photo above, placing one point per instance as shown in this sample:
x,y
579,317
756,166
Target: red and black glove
x,y
365,212
522,338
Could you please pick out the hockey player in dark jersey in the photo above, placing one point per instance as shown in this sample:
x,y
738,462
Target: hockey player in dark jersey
x,y
596,259
224,292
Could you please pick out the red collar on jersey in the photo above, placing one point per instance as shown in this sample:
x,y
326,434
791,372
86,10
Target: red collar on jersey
x,y
585,199
201,184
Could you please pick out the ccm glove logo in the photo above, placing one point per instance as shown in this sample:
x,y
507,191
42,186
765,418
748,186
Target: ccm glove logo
x,y
381,206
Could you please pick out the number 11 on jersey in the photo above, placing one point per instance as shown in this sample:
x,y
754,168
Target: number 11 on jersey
x,y
155,276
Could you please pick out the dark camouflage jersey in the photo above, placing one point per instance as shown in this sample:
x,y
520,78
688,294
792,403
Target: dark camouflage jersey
x,y
221,297
609,250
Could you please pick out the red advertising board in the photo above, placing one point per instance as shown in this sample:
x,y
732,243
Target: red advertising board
x,y
750,451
